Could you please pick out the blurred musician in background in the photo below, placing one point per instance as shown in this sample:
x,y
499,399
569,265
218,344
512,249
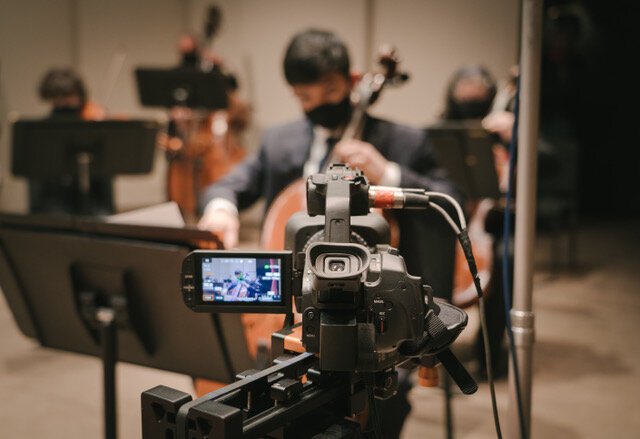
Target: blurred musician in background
x,y
65,91
474,95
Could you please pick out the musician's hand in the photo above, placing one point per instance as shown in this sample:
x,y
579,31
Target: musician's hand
x,y
223,223
362,155
168,143
180,114
501,123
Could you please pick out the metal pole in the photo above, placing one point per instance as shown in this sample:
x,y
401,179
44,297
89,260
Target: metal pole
x,y
521,314
109,358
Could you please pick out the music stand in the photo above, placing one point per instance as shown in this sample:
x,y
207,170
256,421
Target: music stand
x,y
465,151
82,150
184,87
113,291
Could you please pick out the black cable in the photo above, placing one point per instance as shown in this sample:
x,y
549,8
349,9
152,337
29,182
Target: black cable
x,y
506,279
465,242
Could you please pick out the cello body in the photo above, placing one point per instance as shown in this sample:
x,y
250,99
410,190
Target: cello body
x,y
211,147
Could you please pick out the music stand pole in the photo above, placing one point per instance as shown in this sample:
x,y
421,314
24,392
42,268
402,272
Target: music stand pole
x,y
107,320
522,317
109,341
83,161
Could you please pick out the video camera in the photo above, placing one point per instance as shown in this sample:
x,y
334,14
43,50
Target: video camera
x,y
362,314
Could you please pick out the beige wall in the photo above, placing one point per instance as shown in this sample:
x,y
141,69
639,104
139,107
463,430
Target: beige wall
x,y
433,37
34,35
142,32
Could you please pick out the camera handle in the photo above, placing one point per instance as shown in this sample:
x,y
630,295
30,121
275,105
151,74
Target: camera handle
x,y
458,373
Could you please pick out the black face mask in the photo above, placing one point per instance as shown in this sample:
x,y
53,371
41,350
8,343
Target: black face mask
x,y
66,112
331,116
468,109
190,59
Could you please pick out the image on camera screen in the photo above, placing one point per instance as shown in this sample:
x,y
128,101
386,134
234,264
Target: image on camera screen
x,y
241,280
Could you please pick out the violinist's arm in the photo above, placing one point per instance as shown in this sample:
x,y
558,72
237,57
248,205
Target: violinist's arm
x,y
500,123
93,111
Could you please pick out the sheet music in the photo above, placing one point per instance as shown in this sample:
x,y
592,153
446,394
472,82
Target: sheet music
x,y
161,215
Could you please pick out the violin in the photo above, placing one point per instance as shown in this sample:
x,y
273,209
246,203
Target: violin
x,y
92,111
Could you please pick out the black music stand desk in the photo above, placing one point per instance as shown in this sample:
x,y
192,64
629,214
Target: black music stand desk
x,y
184,87
46,149
113,291
465,151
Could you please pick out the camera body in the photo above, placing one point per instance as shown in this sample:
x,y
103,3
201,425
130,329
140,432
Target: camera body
x,y
359,306
361,310
358,303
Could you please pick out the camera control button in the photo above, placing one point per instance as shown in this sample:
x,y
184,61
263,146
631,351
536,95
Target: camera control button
x,y
393,251
187,290
374,265
381,323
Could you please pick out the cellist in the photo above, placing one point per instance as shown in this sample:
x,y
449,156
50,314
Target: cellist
x,y
317,68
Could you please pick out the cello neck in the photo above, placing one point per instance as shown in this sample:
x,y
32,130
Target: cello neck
x,y
369,88
361,98
367,91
